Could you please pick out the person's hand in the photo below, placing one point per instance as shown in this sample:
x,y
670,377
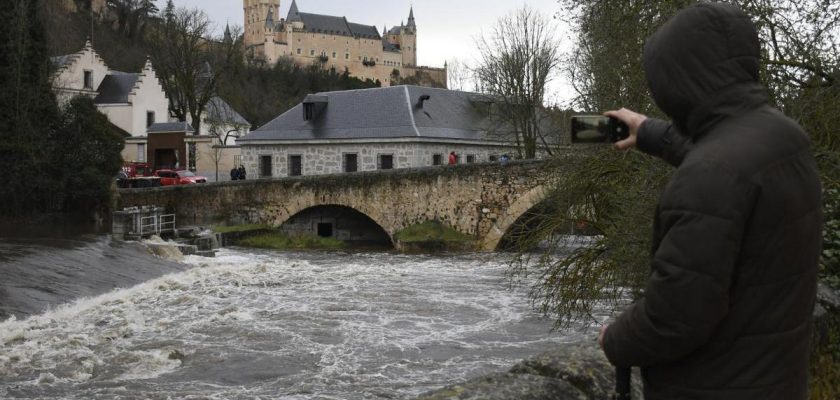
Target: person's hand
x,y
633,120
601,336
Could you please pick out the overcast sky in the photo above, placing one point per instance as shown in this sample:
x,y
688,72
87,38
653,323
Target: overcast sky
x,y
447,29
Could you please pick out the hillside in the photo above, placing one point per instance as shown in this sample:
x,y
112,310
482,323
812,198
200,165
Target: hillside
x,y
258,94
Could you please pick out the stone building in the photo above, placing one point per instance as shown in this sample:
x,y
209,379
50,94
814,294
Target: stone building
x,y
370,129
335,43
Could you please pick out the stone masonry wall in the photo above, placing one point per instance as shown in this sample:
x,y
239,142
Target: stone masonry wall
x,y
328,158
482,200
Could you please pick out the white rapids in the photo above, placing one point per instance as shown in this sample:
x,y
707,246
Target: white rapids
x,y
266,325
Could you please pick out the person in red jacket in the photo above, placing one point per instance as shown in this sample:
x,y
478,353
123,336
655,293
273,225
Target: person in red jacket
x,y
727,310
453,159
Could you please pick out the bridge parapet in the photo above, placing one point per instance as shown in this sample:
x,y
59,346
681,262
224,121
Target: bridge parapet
x,y
482,200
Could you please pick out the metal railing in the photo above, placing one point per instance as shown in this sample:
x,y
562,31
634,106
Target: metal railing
x,y
149,225
166,223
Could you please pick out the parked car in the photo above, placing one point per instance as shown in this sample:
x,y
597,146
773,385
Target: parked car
x,y
178,177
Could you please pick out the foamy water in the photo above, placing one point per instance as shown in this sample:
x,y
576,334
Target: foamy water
x,y
281,326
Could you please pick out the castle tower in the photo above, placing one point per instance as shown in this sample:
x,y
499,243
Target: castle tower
x,y
258,15
408,40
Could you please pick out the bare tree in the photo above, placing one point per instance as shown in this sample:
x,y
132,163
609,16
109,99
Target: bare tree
x,y
518,60
190,63
458,75
225,126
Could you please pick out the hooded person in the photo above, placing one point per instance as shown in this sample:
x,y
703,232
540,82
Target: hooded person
x,y
726,312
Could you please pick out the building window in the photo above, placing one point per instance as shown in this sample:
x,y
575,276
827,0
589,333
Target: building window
x,y
493,158
333,54
295,165
312,52
265,166
437,159
351,162
141,152
150,118
346,56
470,158
298,50
191,156
386,161
89,80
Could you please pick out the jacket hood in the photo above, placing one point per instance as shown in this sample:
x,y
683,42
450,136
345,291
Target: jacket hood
x,y
703,66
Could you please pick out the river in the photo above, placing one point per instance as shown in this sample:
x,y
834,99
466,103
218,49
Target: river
x,y
271,325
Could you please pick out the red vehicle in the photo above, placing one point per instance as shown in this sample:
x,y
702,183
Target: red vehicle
x,y
136,169
178,177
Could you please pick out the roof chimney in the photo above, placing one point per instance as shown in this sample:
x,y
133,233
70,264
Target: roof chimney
x,y
422,100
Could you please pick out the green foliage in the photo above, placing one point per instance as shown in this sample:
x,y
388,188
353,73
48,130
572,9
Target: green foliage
x,y
282,241
830,262
430,231
85,156
610,196
27,110
239,228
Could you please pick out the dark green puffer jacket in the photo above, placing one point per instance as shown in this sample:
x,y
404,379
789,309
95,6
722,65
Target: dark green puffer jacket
x,y
726,313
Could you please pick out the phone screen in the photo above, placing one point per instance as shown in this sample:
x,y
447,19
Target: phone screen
x,y
597,129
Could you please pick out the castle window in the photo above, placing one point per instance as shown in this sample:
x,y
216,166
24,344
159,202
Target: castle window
x,y
333,54
346,56
298,50
311,52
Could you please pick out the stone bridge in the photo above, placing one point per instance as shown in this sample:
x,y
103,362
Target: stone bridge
x,y
481,200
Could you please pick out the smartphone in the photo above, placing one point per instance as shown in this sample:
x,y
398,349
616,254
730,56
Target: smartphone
x,y
598,129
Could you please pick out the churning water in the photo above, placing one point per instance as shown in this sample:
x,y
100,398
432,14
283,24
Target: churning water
x,y
266,325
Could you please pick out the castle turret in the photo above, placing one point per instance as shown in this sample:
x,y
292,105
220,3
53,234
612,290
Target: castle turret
x,y
257,15
408,40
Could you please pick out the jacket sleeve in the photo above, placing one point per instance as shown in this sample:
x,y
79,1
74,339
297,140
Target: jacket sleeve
x,y
699,228
662,139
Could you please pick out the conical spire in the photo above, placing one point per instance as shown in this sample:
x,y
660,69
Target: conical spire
x,y
228,36
269,19
411,17
294,14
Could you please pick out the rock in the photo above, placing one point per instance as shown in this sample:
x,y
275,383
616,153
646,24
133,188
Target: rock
x,y
504,386
573,371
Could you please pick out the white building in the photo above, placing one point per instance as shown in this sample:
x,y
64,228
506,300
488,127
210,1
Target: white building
x,y
136,101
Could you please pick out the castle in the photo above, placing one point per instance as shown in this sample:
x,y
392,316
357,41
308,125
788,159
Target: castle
x,y
335,43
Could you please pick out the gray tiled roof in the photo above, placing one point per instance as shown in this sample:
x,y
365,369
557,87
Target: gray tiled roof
x,y
382,113
388,46
168,127
328,24
115,88
318,23
365,31
219,110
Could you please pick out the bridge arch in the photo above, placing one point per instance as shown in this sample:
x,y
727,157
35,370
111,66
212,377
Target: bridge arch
x,y
516,210
332,219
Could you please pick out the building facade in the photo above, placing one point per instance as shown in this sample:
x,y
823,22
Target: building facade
x,y
335,43
371,129
137,104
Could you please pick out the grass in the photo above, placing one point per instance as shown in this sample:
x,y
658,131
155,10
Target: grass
x,y
282,241
239,228
431,231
